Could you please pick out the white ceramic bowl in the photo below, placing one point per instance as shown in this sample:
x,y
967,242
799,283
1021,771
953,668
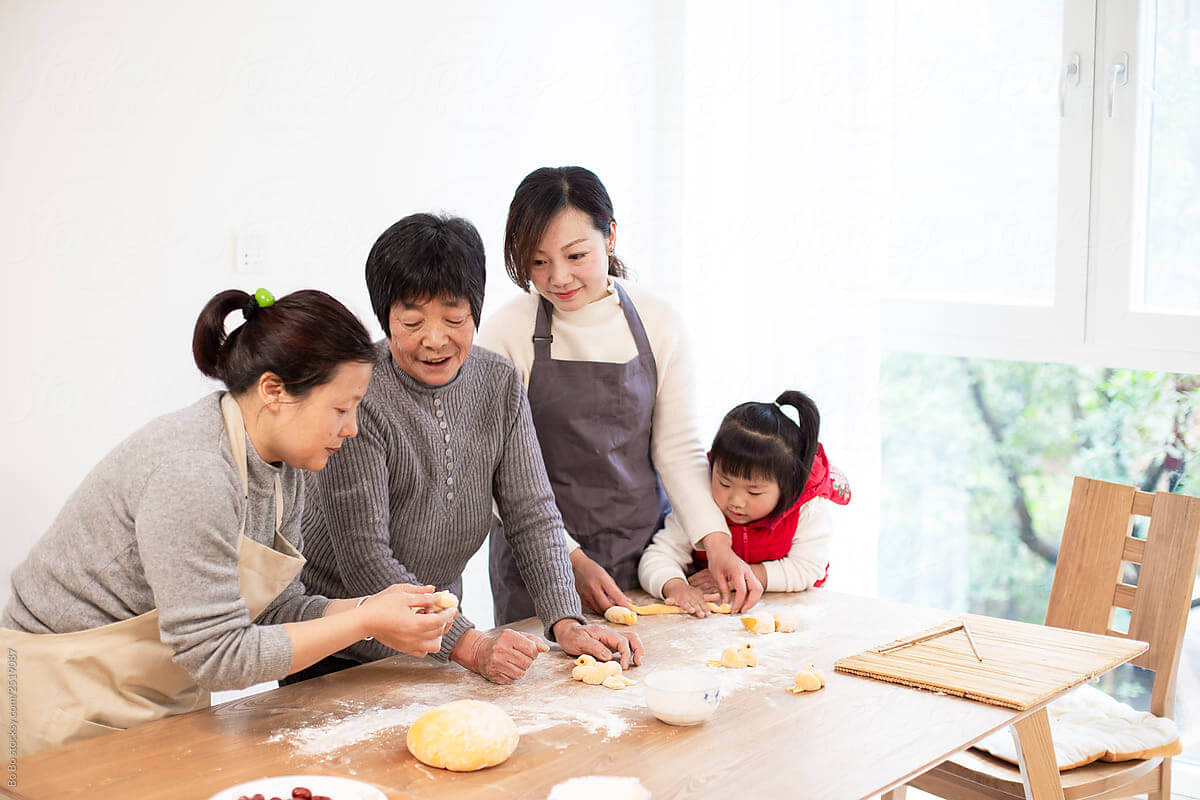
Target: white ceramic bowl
x,y
282,785
682,696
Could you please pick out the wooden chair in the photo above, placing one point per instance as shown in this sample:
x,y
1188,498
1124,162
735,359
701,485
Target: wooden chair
x,y
1088,586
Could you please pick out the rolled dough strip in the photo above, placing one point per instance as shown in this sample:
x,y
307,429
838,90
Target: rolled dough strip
x,y
663,608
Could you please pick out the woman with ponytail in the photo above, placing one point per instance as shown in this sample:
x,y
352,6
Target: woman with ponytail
x,y
771,479
171,571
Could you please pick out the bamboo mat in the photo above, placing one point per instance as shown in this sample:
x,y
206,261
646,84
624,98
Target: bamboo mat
x,y
1023,665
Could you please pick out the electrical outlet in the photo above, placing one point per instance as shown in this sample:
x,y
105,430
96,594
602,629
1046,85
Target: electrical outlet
x,y
251,251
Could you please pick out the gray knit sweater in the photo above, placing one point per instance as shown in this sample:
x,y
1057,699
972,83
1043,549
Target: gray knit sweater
x,y
155,524
409,500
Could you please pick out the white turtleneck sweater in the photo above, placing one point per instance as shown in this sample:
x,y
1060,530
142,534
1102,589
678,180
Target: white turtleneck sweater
x,y
599,332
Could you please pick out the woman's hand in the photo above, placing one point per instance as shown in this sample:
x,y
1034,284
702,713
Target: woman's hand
x,y
598,641
596,588
406,618
501,658
705,582
678,592
731,573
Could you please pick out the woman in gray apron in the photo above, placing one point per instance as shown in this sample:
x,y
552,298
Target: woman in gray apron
x,y
171,571
610,390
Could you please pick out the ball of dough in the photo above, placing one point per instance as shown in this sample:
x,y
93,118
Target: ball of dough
x,y
445,599
786,623
599,787
808,679
463,736
621,615
760,622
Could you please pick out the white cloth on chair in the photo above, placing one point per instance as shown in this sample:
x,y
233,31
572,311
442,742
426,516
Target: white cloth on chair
x,y
1087,725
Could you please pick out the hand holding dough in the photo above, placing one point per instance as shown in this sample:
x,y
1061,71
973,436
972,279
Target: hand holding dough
x,y
744,655
600,673
808,679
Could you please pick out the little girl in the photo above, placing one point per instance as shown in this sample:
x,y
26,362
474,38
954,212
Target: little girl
x,y
771,479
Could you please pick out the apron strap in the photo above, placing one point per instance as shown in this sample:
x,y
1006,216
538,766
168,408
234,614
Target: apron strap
x,y
541,331
235,429
634,321
542,338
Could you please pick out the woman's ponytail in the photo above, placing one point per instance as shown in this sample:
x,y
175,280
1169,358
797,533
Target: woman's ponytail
x,y
302,338
209,337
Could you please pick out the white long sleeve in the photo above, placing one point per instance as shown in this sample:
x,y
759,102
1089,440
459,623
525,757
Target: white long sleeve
x,y
667,556
599,332
670,553
806,561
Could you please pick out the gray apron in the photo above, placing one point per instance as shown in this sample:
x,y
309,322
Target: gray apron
x,y
593,424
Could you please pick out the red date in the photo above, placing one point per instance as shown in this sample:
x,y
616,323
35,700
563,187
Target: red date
x,y
298,793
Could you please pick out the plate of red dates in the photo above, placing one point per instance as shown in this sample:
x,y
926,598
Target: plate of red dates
x,y
301,787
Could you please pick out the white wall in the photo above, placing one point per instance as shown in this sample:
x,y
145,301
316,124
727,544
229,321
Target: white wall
x,y
138,138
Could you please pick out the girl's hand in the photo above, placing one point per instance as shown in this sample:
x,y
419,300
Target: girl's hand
x,y
392,617
677,592
598,641
596,588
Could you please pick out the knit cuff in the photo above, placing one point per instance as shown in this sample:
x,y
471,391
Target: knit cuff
x,y
457,628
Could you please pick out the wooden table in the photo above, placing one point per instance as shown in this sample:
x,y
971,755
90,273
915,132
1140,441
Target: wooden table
x,y
855,738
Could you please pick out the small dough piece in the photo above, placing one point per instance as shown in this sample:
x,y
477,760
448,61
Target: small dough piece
x,y
786,623
760,622
600,673
616,682
463,736
445,599
743,655
621,615
594,787
808,679
664,608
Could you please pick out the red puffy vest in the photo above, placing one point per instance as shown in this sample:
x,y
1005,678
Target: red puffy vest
x,y
770,538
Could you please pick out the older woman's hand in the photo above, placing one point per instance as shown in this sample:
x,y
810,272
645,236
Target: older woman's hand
x,y
501,658
598,641
596,588
731,573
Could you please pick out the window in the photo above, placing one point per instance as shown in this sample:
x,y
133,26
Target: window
x,y
1046,186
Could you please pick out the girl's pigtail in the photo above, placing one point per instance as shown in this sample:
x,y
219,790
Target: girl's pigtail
x,y
805,431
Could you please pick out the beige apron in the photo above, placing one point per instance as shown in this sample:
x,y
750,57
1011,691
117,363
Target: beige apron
x,y
73,686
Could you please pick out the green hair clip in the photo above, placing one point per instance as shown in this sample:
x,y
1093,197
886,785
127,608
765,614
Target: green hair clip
x,y
264,298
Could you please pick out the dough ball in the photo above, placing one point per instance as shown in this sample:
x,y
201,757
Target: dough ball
x,y
445,599
744,655
599,787
463,736
786,623
760,622
621,615
808,679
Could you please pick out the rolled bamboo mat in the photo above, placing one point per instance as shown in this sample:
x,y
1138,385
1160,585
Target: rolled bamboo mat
x,y
1023,665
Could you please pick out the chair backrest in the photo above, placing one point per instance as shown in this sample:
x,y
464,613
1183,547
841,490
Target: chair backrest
x,y
1089,578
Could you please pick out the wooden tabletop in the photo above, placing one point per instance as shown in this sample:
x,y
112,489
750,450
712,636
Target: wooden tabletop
x,y
855,738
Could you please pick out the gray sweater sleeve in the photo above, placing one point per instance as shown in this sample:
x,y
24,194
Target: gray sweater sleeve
x,y
187,529
294,604
532,523
354,497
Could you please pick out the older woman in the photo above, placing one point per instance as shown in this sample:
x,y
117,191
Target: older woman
x,y
444,427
